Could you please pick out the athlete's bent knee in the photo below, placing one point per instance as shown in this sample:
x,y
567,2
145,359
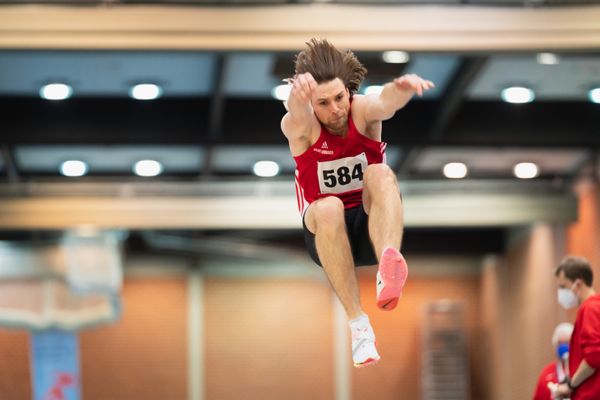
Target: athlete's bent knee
x,y
380,176
328,211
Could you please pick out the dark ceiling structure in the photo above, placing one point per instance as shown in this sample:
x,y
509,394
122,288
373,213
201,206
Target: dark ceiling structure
x,y
217,104
217,116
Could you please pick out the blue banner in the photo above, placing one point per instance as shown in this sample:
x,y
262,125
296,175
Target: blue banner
x,y
55,365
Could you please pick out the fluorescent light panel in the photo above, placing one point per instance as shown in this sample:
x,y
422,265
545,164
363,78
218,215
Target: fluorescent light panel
x,y
455,170
526,170
147,168
266,168
395,57
281,92
145,91
547,58
56,91
73,168
373,89
517,95
594,95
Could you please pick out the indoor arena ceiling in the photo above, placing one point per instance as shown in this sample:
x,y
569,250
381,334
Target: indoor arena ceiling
x,y
217,117
512,3
217,63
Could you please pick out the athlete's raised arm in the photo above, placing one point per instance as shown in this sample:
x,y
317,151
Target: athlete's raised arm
x,y
394,96
300,120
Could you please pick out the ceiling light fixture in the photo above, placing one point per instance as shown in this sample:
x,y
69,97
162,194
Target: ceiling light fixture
x,y
145,91
518,95
73,168
594,95
526,170
547,58
56,91
281,92
147,168
266,169
395,57
373,89
455,170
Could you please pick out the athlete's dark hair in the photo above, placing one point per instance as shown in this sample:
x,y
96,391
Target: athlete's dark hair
x,y
576,268
325,63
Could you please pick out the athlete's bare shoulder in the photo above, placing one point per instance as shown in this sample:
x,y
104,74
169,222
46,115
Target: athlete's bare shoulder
x,y
300,136
371,129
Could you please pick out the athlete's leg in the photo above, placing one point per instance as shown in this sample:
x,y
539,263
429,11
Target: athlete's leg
x,y
325,219
383,204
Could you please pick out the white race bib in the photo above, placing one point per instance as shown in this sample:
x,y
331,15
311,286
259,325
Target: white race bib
x,y
342,175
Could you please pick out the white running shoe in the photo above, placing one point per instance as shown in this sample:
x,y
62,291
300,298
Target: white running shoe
x,y
364,352
391,277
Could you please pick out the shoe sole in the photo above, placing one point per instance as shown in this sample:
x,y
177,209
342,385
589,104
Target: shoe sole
x,y
393,272
367,362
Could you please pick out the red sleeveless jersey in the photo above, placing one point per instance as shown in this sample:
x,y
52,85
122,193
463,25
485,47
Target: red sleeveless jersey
x,y
334,166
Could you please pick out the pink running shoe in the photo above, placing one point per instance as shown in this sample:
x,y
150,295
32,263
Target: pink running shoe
x,y
391,277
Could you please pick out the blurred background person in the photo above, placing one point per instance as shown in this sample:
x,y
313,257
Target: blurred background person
x,y
556,371
574,277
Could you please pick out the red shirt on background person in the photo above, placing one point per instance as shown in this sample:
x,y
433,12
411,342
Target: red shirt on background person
x,y
574,277
556,371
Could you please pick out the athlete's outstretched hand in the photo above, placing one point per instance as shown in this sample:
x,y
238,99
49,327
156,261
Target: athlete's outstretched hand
x,y
303,86
414,83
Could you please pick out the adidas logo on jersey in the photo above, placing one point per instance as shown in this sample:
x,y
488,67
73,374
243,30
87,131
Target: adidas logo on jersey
x,y
324,149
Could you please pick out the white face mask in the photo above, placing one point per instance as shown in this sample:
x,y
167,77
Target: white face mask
x,y
567,298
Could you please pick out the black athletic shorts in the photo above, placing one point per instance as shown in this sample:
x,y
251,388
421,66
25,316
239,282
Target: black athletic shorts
x,y
357,226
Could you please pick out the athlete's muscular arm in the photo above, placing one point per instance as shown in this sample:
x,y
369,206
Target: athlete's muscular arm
x,y
300,121
394,96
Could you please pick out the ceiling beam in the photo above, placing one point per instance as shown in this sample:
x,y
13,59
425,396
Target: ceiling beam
x,y
287,27
541,123
585,168
449,105
217,104
10,164
454,95
436,204
104,120
257,121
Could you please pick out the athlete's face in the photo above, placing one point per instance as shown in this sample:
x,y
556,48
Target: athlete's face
x,y
331,103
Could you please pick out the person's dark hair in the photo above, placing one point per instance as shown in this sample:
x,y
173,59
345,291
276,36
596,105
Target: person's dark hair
x,y
576,268
325,63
